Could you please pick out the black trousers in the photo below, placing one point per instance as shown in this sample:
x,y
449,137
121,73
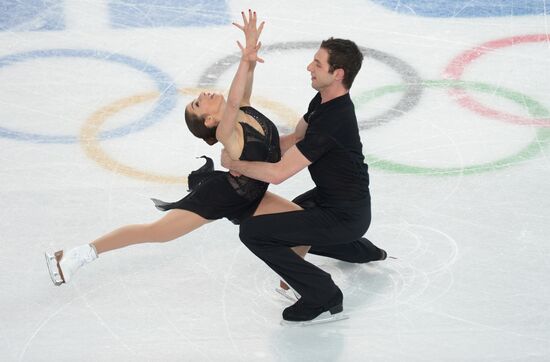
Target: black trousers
x,y
335,233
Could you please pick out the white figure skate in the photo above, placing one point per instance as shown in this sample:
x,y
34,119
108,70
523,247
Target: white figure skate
x,y
52,261
287,292
62,266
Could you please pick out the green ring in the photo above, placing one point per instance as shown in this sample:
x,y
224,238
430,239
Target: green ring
x,y
535,109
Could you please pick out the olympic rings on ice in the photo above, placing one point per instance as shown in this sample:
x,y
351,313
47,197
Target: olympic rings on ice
x,y
410,77
163,82
456,68
412,87
91,143
533,149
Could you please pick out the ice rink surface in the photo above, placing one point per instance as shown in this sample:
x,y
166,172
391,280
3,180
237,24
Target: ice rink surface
x,y
453,103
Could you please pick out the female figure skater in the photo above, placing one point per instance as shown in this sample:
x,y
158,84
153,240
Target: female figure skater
x,y
245,133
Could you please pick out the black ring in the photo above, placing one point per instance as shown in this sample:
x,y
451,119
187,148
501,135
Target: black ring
x,y
410,78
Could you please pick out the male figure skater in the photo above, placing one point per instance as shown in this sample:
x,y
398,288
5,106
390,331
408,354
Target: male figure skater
x,y
336,213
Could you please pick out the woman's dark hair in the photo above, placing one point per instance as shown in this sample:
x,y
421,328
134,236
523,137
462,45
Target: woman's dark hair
x,y
198,128
343,54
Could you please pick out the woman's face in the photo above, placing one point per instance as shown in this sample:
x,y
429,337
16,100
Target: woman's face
x,y
207,104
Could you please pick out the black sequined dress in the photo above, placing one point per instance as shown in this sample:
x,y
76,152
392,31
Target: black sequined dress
x,y
218,194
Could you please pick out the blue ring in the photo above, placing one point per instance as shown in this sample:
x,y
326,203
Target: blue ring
x,y
165,86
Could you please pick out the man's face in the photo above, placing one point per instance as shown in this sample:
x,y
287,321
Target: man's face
x,y
319,70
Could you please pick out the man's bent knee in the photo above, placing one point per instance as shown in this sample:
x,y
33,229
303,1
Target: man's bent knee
x,y
248,231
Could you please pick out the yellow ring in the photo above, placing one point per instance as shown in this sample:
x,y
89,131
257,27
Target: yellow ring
x,y
91,145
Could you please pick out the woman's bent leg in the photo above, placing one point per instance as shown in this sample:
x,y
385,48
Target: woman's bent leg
x,y
274,204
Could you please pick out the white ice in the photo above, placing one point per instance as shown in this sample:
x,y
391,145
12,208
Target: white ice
x,y
471,278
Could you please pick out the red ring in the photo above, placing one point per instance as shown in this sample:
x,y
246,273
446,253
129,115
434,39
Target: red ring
x,y
455,69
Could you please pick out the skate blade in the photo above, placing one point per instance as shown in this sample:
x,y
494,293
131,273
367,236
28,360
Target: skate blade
x,y
288,294
55,275
323,318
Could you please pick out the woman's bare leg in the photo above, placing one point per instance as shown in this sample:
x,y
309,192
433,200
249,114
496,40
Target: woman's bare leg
x,y
63,265
273,204
174,224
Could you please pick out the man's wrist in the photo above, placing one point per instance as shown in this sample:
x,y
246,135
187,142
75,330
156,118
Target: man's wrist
x,y
233,165
229,164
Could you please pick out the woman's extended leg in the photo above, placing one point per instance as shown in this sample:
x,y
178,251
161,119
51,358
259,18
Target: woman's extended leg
x,y
175,223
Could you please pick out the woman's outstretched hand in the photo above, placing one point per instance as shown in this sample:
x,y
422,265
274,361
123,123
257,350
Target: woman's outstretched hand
x,y
252,35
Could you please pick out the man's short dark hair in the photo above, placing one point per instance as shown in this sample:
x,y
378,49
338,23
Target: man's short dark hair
x,y
198,128
343,54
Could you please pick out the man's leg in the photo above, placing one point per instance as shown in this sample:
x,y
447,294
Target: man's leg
x,y
271,236
358,251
